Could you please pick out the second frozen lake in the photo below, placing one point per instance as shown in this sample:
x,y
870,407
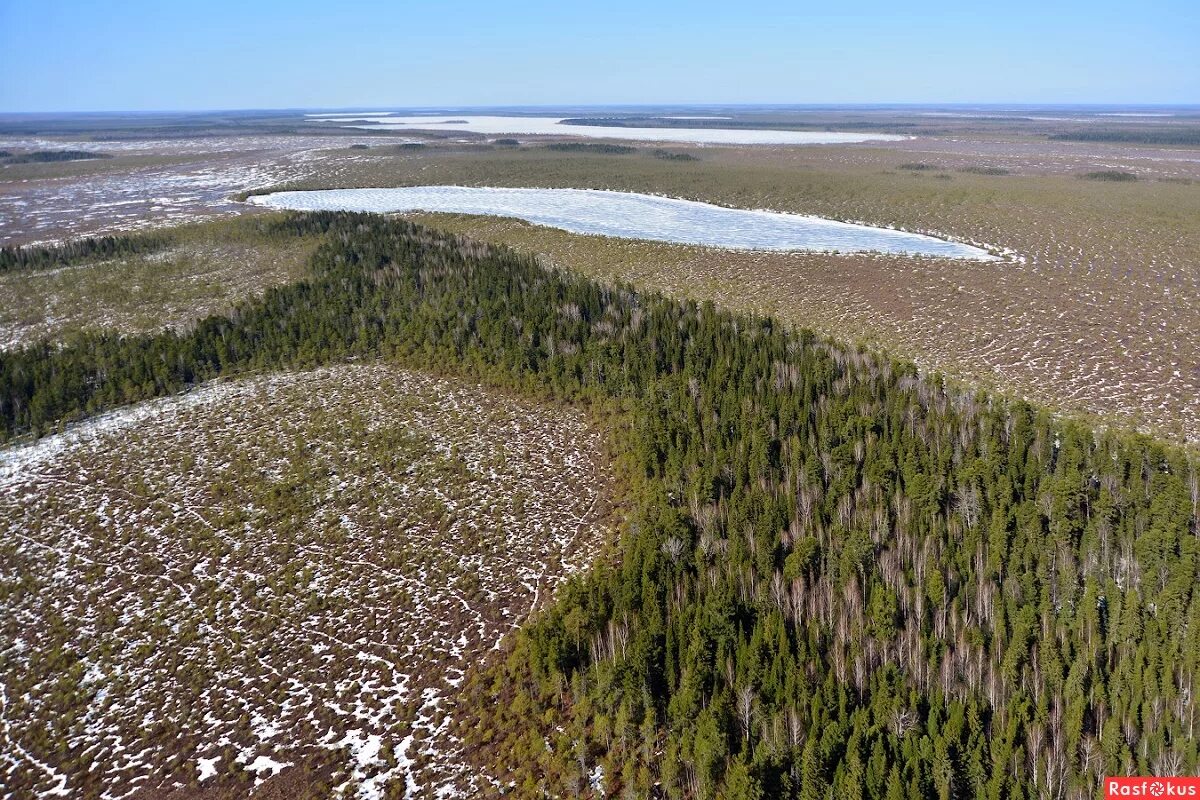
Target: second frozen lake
x,y
633,216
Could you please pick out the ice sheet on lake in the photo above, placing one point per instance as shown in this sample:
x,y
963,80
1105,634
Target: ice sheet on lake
x,y
633,216
553,126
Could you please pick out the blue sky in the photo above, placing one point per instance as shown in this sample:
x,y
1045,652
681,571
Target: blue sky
x,y
165,55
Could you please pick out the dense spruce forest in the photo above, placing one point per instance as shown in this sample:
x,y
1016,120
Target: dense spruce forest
x,y
835,577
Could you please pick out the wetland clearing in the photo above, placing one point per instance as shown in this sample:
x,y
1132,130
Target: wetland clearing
x,y
289,573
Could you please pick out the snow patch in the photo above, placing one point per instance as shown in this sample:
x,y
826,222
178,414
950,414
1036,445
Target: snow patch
x,y
206,768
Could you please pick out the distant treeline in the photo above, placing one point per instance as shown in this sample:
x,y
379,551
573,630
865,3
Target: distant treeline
x,y
1183,136
591,147
76,250
986,170
1113,175
672,155
50,156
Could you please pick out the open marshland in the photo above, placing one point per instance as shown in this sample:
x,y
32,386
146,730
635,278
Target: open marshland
x,y
1095,312
278,579
199,270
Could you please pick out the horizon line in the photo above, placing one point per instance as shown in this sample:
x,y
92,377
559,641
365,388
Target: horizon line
x,y
609,105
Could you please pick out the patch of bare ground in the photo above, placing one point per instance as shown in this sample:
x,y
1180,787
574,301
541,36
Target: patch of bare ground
x,y
273,587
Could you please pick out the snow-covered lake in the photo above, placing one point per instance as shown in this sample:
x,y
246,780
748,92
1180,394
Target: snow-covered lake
x,y
552,126
633,216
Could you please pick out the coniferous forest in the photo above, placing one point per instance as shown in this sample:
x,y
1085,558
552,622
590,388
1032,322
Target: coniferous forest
x,y
834,577
26,258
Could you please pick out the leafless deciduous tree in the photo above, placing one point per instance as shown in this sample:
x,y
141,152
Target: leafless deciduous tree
x,y
745,710
1168,763
903,721
968,505
673,548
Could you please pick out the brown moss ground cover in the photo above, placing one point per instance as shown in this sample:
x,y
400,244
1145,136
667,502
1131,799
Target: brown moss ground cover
x,y
212,266
1098,317
278,582
58,170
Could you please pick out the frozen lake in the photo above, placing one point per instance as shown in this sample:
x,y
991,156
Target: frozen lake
x,y
552,126
633,216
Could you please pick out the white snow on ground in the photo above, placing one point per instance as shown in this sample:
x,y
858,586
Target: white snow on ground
x,y
629,215
266,764
344,114
209,169
596,779
287,569
206,768
267,146
552,126
143,198
16,462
